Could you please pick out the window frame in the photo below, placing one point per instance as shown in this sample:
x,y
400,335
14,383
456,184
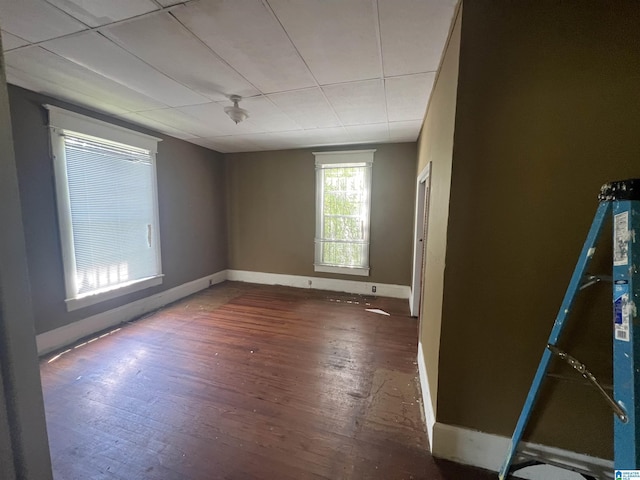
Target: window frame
x,y
341,159
61,121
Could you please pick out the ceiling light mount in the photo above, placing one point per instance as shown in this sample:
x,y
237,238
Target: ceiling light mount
x,y
236,113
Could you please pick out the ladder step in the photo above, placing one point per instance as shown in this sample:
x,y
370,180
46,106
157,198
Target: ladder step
x,y
530,458
587,375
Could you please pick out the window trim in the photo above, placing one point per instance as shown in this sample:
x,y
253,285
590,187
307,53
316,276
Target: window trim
x,y
344,158
60,121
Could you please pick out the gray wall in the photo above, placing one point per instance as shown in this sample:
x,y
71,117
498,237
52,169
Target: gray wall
x,y
192,209
272,212
547,110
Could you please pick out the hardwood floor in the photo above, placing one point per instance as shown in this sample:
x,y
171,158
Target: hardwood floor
x,y
245,382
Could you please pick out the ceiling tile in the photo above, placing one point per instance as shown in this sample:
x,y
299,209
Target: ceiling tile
x,y
98,12
283,140
270,141
11,41
318,136
248,37
212,115
358,102
308,108
162,42
168,3
155,125
407,96
413,34
404,131
377,132
49,68
36,20
267,116
337,39
226,144
95,52
45,87
183,121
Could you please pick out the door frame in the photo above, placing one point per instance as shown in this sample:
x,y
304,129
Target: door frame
x,y
24,446
423,188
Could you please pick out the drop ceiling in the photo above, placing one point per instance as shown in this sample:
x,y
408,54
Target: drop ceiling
x,y
311,72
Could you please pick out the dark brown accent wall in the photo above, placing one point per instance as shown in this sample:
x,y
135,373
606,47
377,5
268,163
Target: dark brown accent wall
x,y
272,212
547,110
191,203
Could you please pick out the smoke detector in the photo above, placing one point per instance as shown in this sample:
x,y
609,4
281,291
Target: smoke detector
x,y
236,113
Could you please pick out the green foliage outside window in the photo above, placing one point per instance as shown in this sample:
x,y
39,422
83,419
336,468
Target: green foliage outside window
x,y
344,215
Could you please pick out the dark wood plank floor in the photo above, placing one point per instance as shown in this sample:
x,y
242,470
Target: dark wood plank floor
x,y
245,382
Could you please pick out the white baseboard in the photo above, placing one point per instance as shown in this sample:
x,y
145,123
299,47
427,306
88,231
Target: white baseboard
x,y
485,450
450,442
319,283
60,337
488,451
429,408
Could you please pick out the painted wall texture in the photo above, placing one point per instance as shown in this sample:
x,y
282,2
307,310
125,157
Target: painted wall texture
x,y
191,203
547,111
272,212
24,449
435,145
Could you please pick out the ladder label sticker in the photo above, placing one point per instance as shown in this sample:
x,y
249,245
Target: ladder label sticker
x,y
627,474
621,312
621,239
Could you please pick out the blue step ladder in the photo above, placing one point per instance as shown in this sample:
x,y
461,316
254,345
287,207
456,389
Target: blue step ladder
x,y
621,200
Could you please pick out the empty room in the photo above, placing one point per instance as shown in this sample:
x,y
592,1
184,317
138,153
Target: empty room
x,y
305,239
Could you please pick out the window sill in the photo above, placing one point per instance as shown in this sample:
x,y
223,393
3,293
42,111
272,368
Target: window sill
x,y
93,298
361,271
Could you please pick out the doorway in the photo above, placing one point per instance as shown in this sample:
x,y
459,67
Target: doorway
x,y
421,225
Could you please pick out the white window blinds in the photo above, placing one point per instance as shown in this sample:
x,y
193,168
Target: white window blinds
x,y
112,213
107,207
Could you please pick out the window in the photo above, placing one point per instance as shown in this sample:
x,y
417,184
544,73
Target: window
x,y
107,208
343,199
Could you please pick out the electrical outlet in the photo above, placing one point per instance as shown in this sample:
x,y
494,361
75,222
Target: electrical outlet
x,y
210,281
310,283
373,289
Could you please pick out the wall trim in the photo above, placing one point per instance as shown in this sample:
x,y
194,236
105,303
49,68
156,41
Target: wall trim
x,y
423,188
429,408
488,451
318,283
67,334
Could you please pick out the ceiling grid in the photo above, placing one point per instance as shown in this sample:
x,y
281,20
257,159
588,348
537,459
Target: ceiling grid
x,y
266,3
379,38
310,73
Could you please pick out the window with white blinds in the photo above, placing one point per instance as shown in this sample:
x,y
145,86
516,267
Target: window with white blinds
x,y
343,207
107,203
